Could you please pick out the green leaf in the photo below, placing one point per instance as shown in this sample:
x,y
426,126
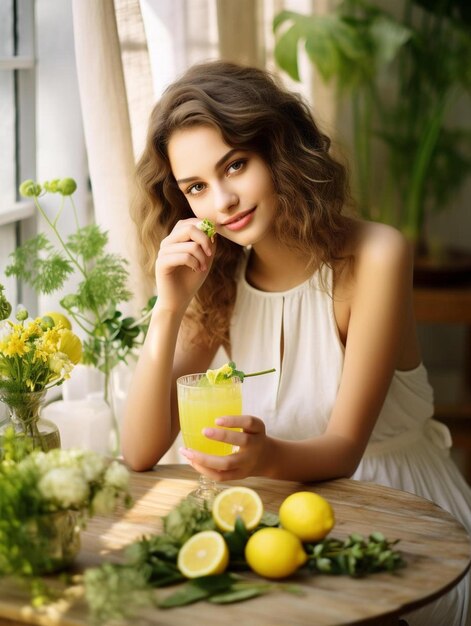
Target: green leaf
x,y
388,37
186,519
106,283
162,546
186,594
237,595
108,590
215,583
40,265
236,540
88,242
286,47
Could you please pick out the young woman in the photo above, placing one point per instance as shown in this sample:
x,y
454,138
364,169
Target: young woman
x,y
288,282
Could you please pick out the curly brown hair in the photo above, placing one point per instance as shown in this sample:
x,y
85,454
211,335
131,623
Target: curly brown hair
x,y
254,113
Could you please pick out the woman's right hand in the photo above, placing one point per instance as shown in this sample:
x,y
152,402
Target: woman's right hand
x,y
183,263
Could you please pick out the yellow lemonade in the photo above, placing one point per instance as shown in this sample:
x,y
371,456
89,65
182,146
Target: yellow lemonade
x,y
199,404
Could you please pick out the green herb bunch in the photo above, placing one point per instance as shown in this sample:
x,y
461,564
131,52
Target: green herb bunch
x,y
116,591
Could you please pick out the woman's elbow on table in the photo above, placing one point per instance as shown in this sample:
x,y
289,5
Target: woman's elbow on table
x,y
138,459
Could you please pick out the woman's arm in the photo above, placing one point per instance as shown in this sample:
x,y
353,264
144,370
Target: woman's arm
x,y
151,419
380,336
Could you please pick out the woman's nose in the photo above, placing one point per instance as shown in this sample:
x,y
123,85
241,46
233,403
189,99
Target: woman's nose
x,y
224,197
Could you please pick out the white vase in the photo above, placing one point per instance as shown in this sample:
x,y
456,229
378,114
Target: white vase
x,y
85,424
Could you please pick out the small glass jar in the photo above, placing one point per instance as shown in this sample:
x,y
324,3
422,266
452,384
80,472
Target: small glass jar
x,y
54,540
24,416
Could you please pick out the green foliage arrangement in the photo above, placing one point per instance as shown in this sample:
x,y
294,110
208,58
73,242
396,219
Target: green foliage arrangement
x,y
401,76
117,591
35,485
46,263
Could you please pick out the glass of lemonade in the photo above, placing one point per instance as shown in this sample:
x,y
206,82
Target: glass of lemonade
x,y
200,403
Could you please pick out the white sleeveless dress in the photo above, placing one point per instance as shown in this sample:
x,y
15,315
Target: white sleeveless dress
x,y
408,450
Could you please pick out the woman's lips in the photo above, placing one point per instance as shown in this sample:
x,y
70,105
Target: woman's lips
x,y
240,222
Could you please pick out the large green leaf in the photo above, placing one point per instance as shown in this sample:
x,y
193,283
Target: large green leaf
x,y
286,51
388,37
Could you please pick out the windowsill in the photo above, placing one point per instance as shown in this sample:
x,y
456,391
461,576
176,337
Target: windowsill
x,y
19,211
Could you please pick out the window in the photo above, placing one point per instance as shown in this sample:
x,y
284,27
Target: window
x,y
17,131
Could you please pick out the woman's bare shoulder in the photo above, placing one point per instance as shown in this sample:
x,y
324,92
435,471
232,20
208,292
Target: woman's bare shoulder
x,y
375,245
375,252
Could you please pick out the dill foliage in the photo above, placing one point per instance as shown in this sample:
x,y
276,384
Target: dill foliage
x,y
47,262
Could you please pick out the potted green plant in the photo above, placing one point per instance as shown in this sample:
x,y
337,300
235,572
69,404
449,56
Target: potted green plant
x,y
401,76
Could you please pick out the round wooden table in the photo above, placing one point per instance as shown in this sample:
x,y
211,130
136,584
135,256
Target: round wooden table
x,y
435,546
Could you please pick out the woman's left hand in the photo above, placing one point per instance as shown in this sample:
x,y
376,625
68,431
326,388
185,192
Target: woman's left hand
x,y
253,445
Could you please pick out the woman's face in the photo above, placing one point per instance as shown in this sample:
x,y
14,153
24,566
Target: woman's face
x,y
231,187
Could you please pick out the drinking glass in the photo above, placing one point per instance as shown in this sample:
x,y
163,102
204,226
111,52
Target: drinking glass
x,y
200,403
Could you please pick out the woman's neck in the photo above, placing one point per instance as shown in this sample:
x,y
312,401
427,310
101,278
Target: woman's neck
x,y
277,268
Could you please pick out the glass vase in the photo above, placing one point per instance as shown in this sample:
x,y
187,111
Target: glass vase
x,y
53,540
24,416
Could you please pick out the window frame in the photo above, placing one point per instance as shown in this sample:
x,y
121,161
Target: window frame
x,y
18,218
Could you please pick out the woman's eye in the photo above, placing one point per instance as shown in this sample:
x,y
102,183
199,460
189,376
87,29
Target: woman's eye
x,y
236,166
195,189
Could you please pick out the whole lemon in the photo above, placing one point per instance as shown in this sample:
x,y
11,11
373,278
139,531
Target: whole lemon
x,y
59,318
307,515
274,553
71,345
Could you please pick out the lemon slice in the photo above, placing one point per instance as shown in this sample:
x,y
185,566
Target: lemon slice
x,y
203,554
220,375
237,502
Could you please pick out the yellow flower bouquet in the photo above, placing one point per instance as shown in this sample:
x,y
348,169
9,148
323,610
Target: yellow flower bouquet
x,y
35,355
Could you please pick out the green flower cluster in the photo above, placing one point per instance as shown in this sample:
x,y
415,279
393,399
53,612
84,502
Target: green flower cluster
x,y
31,189
5,306
37,488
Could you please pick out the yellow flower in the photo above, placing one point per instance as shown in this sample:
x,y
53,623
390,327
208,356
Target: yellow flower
x,y
15,345
32,331
60,364
71,345
50,341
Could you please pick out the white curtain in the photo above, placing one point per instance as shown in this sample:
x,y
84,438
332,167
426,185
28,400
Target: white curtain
x,y
107,128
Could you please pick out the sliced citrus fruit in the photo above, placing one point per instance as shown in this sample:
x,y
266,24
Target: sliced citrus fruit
x,y
203,554
219,375
237,502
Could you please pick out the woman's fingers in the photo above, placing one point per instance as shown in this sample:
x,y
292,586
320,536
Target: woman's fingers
x,y
186,253
210,462
248,423
231,466
187,230
185,246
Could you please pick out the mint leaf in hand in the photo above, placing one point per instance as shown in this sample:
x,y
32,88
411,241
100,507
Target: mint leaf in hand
x,y
208,227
